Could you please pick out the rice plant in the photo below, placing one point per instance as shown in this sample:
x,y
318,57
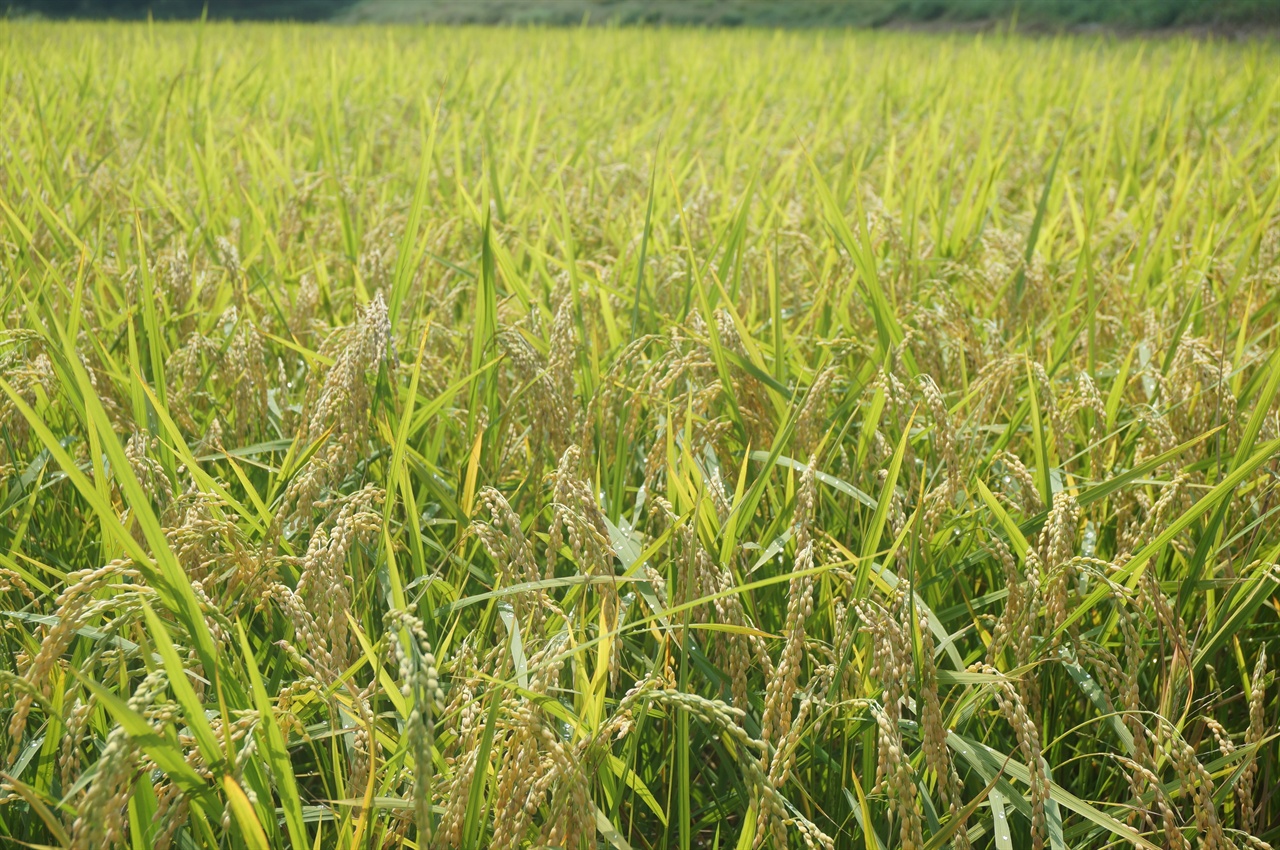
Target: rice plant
x,y
476,438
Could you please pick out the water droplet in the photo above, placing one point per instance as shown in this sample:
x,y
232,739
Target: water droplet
x,y
1090,543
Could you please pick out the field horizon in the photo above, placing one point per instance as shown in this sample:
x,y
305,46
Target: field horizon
x,y
1234,17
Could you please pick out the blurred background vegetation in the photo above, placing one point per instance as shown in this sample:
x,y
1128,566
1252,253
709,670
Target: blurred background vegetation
x,y
1034,14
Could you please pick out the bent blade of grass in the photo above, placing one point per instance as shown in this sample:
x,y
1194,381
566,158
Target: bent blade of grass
x,y
473,820
1133,569
988,761
274,747
939,839
830,480
164,572
743,509
1241,603
1000,821
1013,534
164,752
1088,496
871,540
42,811
1248,438
192,708
607,830
863,256
247,819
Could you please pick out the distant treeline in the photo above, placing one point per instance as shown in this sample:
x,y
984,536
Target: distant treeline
x,y
1133,14
302,10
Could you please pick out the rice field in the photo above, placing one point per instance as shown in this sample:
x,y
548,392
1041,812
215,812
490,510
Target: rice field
x,y
631,438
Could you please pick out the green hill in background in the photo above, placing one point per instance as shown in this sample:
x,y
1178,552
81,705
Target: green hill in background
x,y
1134,14
1142,14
